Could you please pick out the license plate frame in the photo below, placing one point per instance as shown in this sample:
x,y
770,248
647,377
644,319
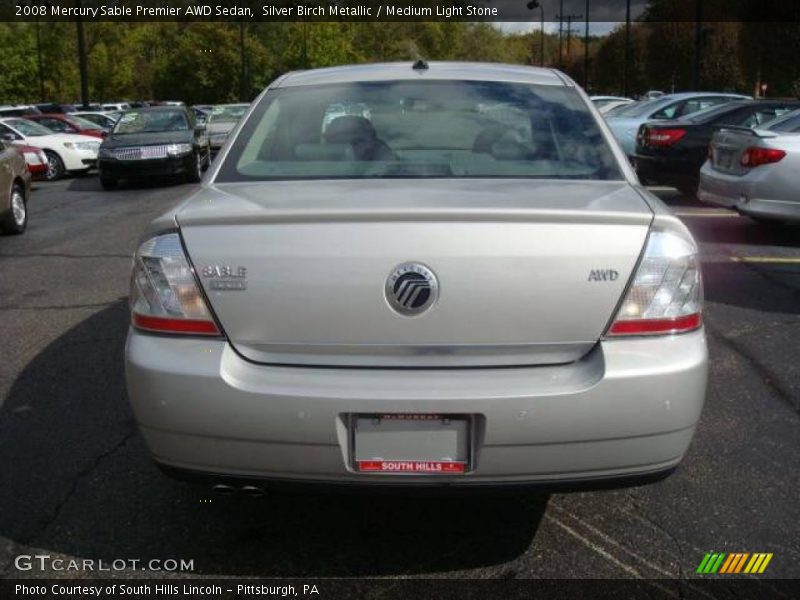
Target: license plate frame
x,y
460,464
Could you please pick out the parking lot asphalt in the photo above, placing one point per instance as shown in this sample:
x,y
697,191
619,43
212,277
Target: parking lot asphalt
x,y
77,481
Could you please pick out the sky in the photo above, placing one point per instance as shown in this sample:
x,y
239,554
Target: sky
x,y
604,15
595,27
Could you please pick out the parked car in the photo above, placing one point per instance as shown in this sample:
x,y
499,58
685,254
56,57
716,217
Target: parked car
x,y
626,123
35,160
63,123
52,107
609,107
652,94
201,113
428,297
601,101
65,152
106,120
221,121
672,152
617,109
15,190
118,106
154,141
20,110
755,171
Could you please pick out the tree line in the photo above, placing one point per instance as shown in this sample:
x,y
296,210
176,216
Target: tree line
x,y
224,62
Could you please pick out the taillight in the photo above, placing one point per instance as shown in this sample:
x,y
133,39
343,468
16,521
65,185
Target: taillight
x,y
165,296
754,156
666,294
661,138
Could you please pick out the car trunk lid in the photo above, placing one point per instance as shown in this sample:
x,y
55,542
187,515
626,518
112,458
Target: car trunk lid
x,y
529,272
730,144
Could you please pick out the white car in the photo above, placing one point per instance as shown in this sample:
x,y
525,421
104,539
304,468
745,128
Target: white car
x,y
116,106
65,152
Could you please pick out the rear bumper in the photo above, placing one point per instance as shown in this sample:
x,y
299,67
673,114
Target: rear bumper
x,y
667,170
627,409
752,195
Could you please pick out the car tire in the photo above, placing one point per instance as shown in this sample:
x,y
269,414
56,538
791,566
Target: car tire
x,y
108,183
208,158
16,219
690,191
196,173
55,166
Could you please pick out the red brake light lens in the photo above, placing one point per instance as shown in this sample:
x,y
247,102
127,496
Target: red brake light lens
x,y
656,326
755,156
662,138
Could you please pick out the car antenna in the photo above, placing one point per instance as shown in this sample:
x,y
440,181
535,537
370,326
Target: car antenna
x,y
420,65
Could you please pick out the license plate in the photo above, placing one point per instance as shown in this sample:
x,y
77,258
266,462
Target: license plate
x,y
724,158
419,444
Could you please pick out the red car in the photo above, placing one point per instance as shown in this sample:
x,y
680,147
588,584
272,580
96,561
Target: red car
x,y
36,161
64,123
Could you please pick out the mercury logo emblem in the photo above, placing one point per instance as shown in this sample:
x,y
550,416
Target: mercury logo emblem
x,y
411,289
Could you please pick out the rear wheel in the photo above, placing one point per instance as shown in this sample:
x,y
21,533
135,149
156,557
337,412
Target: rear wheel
x,y
55,166
16,219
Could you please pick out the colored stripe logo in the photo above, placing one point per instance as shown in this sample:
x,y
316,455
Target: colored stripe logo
x,y
734,562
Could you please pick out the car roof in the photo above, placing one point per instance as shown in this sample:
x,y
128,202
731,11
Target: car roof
x,y
157,109
688,95
435,70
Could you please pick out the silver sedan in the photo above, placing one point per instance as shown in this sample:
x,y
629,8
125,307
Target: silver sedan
x,y
756,172
426,293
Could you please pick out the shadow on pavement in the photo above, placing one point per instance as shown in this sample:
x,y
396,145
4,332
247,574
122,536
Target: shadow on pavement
x,y
91,183
744,231
82,485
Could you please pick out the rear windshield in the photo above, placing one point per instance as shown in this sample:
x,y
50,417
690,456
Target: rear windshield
x,y
788,124
405,129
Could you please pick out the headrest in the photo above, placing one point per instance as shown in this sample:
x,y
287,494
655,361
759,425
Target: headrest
x,y
349,129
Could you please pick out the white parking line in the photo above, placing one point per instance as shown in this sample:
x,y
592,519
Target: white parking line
x,y
773,260
595,548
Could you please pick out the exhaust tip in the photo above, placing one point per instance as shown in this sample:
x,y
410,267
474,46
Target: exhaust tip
x,y
225,490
